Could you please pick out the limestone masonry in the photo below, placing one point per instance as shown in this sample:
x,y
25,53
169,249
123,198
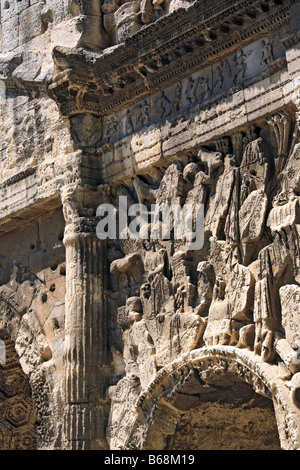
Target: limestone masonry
x,y
139,344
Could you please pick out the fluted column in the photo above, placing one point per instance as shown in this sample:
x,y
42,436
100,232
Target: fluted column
x,y
86,342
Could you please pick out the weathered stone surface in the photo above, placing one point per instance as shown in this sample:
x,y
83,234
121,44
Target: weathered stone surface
x,y
189,112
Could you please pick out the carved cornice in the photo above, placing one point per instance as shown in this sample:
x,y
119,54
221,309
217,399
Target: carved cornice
x,y
18,177
291,41
159,54
13,85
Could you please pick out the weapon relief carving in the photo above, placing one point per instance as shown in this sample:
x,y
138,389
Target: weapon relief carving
x,y
238,290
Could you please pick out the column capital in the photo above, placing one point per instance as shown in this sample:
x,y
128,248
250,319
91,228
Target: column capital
x,y
82,229
80,208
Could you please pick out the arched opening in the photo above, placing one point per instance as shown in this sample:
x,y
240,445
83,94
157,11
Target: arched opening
x,y
214,398
17,416
222,413
223,416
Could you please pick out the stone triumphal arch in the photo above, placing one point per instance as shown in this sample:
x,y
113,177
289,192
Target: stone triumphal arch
x,y
143,343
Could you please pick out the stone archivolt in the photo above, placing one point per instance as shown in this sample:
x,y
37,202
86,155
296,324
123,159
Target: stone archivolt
x,y
121,341
205,367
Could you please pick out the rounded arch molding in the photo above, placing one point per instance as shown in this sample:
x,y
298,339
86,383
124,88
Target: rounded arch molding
x,y
32,350
212,362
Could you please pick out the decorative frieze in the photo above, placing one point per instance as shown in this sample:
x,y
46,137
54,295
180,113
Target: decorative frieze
x,y
193,46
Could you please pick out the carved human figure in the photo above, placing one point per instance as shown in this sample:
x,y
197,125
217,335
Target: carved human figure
x,y
218,330
143,114
156,290
219,80
190,90
111,128
129,125
177,102
222,73
205,286
162,104
203,89
267,55
182,286
240,65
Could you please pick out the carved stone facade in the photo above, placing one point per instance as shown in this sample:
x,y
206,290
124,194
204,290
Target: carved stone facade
x,y
142,343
